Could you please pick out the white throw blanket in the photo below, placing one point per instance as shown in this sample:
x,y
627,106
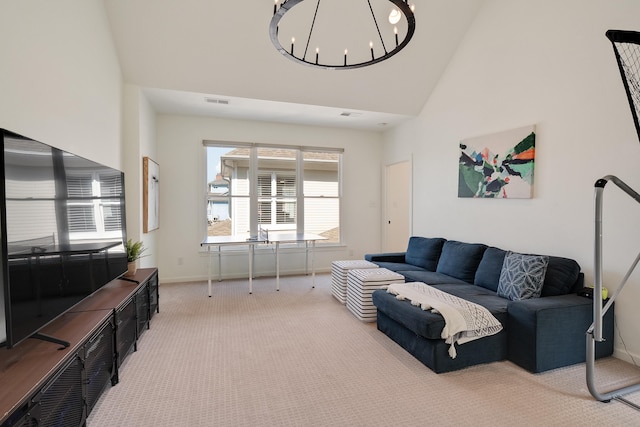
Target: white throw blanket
x,y
464,321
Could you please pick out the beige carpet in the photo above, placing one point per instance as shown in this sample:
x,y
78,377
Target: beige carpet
x,y
298,357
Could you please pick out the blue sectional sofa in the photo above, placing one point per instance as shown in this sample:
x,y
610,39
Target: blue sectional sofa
x,y
541,331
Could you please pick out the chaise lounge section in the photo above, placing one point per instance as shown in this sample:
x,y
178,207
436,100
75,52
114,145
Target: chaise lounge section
x,y
543,328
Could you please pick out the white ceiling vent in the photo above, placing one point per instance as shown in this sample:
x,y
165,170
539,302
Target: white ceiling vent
x,y
217,101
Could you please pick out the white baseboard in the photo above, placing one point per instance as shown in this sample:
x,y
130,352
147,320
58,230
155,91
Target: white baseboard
x,y
622,354
258,275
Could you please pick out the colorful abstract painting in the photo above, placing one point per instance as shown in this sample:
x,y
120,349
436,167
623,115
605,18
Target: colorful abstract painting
x,y
499,165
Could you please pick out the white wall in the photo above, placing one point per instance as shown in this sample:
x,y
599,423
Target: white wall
x,y
139,136
546,63
182,192
60,80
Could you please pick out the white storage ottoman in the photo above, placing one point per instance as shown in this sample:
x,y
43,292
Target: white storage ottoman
x,y
360,286
339,271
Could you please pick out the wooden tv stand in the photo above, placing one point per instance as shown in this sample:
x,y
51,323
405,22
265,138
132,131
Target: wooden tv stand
x,y
40,378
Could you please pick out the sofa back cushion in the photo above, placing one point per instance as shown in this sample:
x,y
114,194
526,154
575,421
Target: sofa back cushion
x,y
460,260
488,272
424,252
562,274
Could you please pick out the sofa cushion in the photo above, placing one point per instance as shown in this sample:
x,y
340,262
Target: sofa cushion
x,y
429,325
429,277
522,276
385,257
460,260
562,274
488,272
498,306
420,322
424,252
398,266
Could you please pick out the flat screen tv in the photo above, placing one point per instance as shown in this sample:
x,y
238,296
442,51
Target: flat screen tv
x,y
62,233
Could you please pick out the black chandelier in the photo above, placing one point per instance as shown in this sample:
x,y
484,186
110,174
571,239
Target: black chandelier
x,y
384,43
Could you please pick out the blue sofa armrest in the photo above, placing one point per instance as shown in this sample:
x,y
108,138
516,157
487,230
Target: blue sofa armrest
x,y
386,257
550,332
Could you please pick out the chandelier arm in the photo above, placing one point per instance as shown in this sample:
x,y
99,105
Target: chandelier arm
x,y
375,21
313,23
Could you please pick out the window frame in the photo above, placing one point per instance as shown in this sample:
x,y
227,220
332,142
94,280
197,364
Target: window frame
x,y
254,171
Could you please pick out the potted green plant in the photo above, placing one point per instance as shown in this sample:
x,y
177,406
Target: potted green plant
x,y
134,252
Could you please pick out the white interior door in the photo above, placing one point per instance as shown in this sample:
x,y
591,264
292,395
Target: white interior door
x,y
397,226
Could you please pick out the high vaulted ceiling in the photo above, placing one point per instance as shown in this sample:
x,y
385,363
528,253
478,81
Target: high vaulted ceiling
x,y
208,57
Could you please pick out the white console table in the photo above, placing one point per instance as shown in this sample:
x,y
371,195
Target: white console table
x,y
276,238
219,242
291,237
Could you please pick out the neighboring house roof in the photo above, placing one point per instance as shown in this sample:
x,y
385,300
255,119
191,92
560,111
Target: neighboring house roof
x,y
278,158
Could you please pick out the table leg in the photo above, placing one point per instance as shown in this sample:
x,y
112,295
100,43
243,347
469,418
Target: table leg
x,y
209,275
219,263
277,266
313,268
250,269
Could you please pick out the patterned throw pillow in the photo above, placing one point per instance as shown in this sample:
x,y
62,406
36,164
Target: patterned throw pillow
x,y
522,276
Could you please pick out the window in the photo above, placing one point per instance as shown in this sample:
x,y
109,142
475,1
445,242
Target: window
x,y
274,188
276,199
322,193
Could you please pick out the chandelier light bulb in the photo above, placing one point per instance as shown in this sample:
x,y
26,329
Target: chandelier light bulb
x,y
394,16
